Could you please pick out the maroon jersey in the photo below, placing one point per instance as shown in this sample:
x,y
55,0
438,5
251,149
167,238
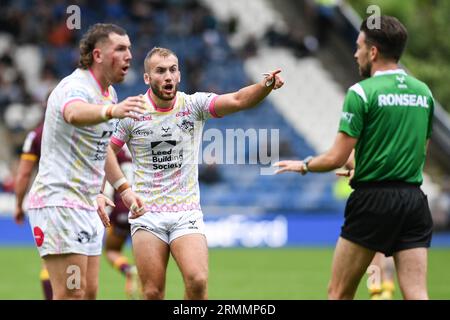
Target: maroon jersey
x,y
31,149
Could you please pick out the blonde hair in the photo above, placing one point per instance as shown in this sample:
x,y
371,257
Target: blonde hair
x,y
163,52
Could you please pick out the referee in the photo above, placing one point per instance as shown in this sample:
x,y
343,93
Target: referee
x,y
387,119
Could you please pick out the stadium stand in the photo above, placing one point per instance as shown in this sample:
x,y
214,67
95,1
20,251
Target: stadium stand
x,y
220,48
204,52
221,45
316,93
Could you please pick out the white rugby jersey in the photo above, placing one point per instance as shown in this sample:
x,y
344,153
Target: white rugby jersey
x,y
71,167
164,144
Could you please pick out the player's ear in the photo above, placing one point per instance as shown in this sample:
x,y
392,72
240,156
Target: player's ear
x,y
146,78
374,53
97,55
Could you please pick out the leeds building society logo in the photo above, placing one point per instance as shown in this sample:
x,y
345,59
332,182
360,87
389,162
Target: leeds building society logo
x,y
401,85
162,144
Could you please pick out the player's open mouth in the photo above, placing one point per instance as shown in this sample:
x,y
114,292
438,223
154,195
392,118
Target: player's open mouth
x,y
168,88
125,69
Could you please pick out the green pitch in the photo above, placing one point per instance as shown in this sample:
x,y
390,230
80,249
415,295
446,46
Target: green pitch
x,y
293,273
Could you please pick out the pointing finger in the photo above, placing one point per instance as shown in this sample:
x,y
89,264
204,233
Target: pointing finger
x,y
273,73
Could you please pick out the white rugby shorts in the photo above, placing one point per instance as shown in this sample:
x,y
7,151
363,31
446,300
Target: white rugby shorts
x,y
169,225
60,230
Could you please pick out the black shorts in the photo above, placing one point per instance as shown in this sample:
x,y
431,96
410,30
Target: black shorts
x,y
388,217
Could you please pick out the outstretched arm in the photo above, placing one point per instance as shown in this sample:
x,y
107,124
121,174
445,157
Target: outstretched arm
x,y
334,158
249,96
80,113
350,164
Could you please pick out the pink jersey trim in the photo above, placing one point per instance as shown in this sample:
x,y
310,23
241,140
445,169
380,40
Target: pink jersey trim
x,y
117,142
158,108
212,108
104,93
37,202
67,103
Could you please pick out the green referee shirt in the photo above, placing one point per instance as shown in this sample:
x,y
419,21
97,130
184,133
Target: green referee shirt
x,y
391,116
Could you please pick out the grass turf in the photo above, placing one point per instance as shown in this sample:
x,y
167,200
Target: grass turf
x,y
289,273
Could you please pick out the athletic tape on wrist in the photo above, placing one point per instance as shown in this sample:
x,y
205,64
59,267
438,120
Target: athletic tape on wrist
x,y
126,188
119,182
104,111
110,111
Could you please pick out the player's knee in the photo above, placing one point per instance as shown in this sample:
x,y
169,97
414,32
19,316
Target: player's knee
x,y
69,294
339,293
415,294
331,292
153,293
90,295
91,292
197,282
334,294
69,291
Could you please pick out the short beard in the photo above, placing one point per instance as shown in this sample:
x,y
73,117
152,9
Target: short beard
x,y
366,70
159,93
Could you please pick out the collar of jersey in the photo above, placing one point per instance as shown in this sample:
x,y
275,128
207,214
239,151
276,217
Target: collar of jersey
x,y
394,71
104,93
153,104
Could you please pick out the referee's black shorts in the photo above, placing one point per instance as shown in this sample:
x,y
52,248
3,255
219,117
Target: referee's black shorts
x,y
388,217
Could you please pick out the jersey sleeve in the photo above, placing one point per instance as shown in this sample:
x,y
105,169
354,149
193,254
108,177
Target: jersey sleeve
x,y
352,115
31,148
74,92
203,105
122,132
